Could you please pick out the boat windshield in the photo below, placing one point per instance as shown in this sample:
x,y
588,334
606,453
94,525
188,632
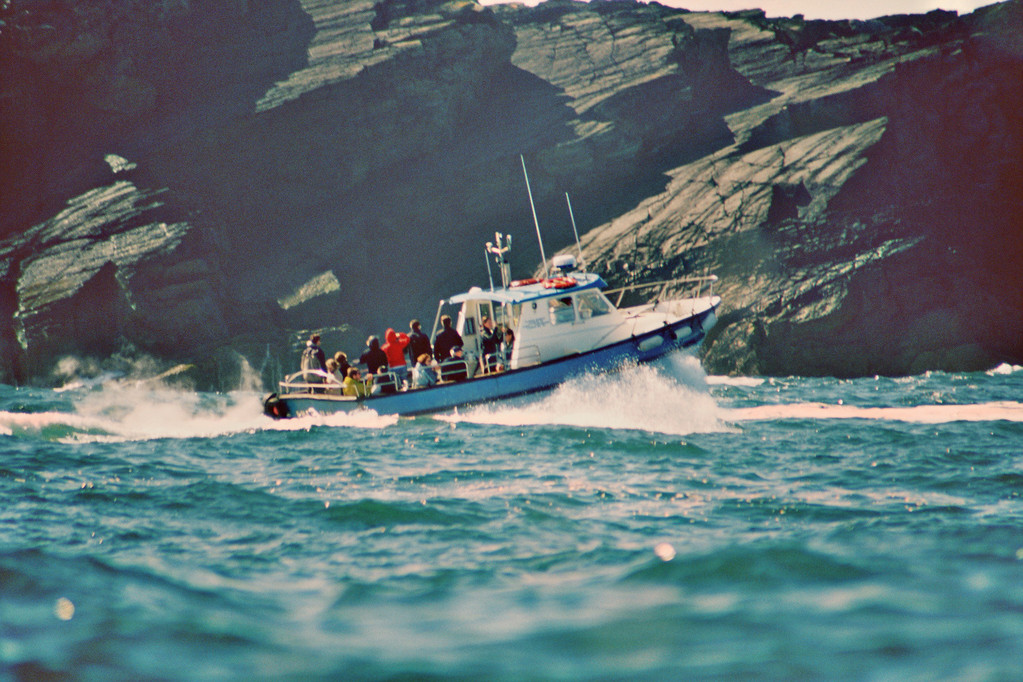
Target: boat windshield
x,y
592,304
561,310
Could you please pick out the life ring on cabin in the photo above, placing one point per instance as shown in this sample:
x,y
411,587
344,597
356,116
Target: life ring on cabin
x,y
523,282
559,283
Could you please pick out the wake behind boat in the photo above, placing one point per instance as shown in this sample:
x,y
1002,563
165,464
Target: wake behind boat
x,y
564,325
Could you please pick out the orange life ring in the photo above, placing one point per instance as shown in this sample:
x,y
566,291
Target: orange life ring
x,y
524,282
559,283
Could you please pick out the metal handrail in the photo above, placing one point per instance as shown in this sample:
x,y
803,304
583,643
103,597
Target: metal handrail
x,y
699,281
293,382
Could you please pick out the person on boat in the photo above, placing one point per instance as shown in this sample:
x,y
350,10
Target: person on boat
x,y
423,374
341,358
490,346
314,360
507,346
454,368
334,386
447,339
384,382
394,349
313,356
418,342
489,336
373,357
353,385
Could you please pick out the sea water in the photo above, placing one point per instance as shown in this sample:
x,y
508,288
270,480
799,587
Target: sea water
x,y
657,524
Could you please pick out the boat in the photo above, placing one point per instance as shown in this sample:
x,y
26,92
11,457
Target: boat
x,y
565,324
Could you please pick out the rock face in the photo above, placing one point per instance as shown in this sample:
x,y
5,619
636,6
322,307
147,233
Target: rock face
x,y
198,180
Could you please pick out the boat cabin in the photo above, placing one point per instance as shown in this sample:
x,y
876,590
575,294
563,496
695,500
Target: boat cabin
x,y
550,318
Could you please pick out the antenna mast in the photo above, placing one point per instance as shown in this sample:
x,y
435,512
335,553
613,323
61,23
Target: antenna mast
x,y
500,257
546,272
582,263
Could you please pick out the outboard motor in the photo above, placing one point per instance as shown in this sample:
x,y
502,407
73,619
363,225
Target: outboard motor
x,y
274,407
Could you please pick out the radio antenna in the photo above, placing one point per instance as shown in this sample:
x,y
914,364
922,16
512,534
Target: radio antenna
x,y
582,263
535,221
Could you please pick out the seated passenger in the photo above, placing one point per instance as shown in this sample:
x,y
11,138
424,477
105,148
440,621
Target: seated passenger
x,y
423,374
384,383
334,379
353,385
508,346
454,368
341,358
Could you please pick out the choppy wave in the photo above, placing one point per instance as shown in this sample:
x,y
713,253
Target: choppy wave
x,y
1005,368
143,527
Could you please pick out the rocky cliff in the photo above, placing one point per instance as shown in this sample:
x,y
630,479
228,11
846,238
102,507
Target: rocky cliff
x,y
200,182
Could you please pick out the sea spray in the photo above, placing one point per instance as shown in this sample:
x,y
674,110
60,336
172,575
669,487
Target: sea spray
x,y
669,396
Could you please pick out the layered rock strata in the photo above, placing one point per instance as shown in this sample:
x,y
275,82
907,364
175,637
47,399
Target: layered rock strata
x,y
196,180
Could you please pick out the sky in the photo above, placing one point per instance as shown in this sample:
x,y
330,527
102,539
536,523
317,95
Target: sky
x,y
823,9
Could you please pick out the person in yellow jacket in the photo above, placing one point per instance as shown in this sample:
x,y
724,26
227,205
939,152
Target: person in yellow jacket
x,y
354,385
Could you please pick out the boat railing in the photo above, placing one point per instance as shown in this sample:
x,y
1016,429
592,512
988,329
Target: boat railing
x,y
311,381
695,285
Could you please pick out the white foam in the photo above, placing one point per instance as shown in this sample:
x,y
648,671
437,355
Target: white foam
x,y
1004,368
748,382
140,414
362,419
121,411
920,414
667,397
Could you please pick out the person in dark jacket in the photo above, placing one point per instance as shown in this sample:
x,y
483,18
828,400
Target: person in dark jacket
x,y
490,337
313,356
341,358
373,357
454,368
418,342
446,340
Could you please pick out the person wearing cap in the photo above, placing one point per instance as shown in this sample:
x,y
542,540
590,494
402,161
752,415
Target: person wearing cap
x,y
423,374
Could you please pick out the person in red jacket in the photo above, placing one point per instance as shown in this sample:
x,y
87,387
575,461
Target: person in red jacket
x,y
394,349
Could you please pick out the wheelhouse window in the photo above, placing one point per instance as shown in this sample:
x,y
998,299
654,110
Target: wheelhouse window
x,y
561,310
591,304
